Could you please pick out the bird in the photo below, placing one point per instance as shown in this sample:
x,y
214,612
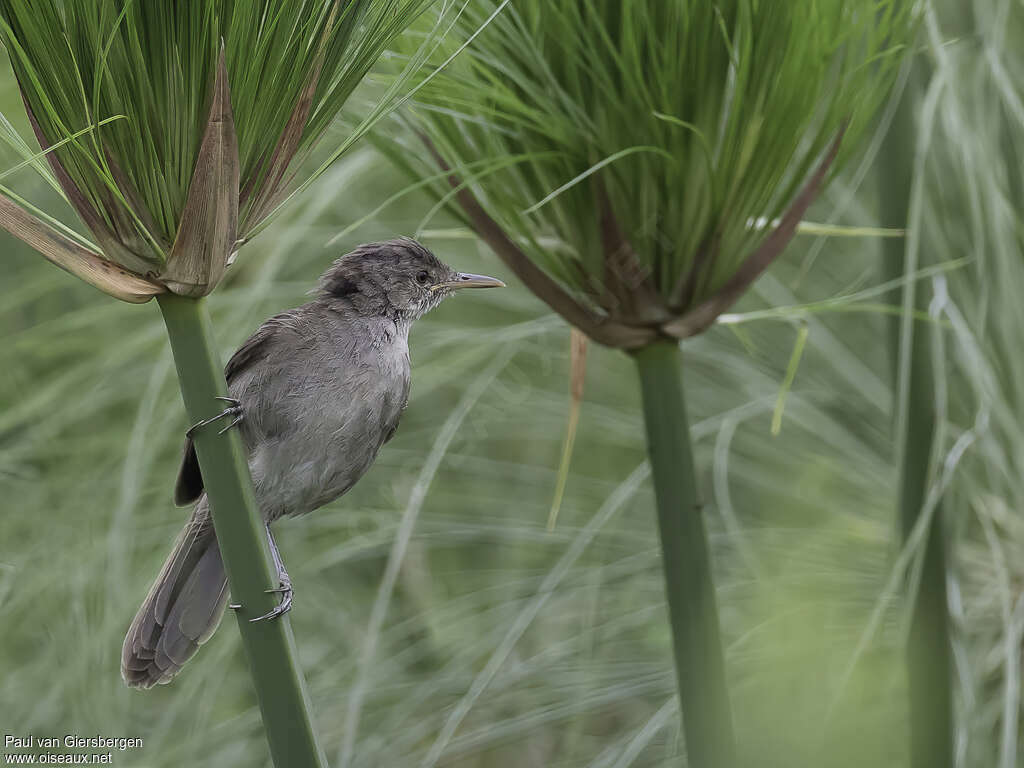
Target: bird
x,y
315,391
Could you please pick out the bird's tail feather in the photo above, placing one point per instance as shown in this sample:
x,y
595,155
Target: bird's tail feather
x,y
181,611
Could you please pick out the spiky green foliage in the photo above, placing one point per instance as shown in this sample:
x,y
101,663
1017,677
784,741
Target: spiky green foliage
x,y
548,642
621,157
291,66
969,157
664,131
505,643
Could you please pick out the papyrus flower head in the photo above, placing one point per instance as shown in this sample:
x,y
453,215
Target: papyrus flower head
x,y
176,130
619,154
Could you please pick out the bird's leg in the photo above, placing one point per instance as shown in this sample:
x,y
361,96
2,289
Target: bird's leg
x,y
285,588
234,409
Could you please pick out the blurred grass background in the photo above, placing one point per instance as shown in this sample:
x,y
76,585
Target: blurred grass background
x,y
551,649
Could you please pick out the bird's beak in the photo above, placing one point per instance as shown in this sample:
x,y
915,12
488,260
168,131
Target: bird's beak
x,y
467,280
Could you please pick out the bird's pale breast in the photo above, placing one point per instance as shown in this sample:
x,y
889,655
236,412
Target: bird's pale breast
x,y
323,432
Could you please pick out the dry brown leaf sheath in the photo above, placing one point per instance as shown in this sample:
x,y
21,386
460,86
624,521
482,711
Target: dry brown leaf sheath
x,y
72,257
577,376
209,220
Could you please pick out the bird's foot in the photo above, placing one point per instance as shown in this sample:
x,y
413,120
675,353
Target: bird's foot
x,y
286,592
284,587
234,409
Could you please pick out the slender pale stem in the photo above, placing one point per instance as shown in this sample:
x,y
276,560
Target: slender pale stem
x,y
269,645
928,651
693,615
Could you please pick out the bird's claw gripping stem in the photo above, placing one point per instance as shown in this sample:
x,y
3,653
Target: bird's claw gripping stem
x,y
234,409
284,587
286,592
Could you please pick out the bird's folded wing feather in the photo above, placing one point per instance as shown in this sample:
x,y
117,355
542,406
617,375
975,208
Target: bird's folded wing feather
x,y
189,485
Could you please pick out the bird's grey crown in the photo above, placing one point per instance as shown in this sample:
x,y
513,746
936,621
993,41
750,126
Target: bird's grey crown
x,y
384,260
386,279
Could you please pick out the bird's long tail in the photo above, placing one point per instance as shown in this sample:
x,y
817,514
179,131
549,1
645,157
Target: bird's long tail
x,y
182,609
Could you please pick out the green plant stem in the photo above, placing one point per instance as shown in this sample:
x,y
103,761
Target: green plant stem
x,y
269,645
693,615
928,651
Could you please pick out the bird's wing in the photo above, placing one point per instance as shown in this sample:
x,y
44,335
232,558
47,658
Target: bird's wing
x,y
189,485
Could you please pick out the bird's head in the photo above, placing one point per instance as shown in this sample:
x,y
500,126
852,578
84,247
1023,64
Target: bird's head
x,y
397,278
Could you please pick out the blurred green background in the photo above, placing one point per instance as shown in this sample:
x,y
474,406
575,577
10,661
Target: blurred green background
x,y
551,648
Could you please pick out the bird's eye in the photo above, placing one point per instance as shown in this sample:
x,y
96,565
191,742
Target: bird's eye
x,y
422,277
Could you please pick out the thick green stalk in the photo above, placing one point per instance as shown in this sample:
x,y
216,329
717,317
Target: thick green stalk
x,y
693,615
269,645
928,651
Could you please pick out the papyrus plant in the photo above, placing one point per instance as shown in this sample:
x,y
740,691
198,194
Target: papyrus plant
x,y
209,109
638,164
175,130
